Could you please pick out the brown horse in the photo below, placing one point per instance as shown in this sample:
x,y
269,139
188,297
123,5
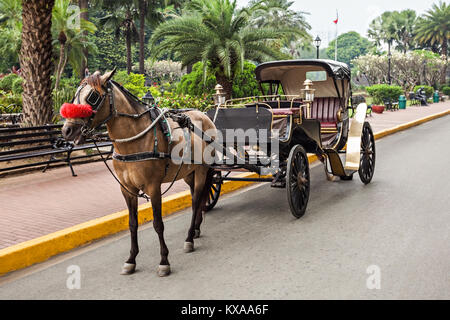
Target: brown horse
x,y
113,104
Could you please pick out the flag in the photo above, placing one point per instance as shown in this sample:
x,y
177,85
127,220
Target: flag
x,y
337,18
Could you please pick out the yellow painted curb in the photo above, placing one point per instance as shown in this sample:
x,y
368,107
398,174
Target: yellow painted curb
x,y
40,249
408,125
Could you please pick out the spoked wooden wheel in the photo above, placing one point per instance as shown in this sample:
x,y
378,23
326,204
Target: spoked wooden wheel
x,y
367,162
214,192
298,181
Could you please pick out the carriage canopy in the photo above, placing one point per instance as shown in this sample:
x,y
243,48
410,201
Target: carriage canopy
x,y
330,78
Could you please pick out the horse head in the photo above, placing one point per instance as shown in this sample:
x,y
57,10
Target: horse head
x,y
89,108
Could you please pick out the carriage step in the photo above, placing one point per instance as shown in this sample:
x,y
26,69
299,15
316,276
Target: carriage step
x,y
337,167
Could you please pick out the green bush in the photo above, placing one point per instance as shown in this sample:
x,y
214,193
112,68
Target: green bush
x,y
10,101
133,82
16,87
428,90
174,100
121,77
244,83
193,84
6,83
381,92
446,91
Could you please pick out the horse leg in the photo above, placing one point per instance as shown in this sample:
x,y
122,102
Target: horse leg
x,y
190,180
130,265
202,182
206,177
154,192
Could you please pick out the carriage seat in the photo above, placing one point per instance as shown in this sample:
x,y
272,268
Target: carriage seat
x,y
323,109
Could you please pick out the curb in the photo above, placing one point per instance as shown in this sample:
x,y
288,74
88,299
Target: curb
x,y
37,250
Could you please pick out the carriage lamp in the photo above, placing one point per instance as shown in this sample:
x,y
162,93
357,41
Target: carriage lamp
x,y
148,98
219,96
308,94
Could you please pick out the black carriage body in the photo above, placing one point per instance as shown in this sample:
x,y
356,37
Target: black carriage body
x,y
328,126
299,126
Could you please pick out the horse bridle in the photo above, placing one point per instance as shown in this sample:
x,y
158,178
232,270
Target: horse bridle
x,y
96,100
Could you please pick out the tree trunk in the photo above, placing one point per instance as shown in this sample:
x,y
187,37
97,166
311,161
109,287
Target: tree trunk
x,y
36,61
84,6
142,14
445,54
61,65
227,85
128,40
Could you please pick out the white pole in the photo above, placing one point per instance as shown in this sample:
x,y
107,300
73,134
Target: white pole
x,y
336,43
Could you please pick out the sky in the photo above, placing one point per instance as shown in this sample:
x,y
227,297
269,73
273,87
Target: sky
x,y
354,15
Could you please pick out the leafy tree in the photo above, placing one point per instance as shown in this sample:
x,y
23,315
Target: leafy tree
x,y
121,19
10,33
71,40
350,46
217,32
434,28
278,13
110,52
383,29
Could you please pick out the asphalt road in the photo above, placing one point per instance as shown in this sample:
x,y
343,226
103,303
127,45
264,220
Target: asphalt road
x,y
252,248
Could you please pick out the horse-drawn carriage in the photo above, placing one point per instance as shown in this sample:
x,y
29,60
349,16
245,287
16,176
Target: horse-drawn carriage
x,y
304,106
303,109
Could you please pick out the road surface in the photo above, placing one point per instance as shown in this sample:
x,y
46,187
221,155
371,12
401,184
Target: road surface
x,y
386,240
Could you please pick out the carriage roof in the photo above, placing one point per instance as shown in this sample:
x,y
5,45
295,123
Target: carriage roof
x,y
292,73
335,69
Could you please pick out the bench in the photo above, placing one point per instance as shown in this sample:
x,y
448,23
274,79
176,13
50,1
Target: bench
x,y
390,105
18,144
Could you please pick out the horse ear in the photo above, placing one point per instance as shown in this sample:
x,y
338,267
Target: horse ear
x,y
108,76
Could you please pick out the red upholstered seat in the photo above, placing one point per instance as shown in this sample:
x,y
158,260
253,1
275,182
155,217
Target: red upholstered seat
x,y
285,111
325,109
328,125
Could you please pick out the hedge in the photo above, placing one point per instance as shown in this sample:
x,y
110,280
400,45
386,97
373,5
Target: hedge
x,y
382,92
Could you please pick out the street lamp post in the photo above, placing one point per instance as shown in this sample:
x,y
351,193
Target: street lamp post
x,y
389,62
317,42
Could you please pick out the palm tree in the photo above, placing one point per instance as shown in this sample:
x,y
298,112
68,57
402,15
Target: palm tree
x,y
122,21
36,61
434,28
70,37
405,24
383,29
216,33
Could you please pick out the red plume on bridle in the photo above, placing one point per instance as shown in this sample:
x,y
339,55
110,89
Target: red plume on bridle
x,y
71,111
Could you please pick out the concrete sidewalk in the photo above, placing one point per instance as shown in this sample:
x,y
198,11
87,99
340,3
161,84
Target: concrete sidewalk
x,y
36,204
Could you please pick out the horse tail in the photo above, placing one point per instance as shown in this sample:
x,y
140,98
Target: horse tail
x,y
206,189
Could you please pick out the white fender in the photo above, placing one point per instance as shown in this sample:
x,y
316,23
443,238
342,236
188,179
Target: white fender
x,y
353,154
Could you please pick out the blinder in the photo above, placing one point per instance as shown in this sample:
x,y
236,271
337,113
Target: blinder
x,y
95,100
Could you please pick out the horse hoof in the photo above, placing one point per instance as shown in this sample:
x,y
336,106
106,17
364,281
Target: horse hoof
x,y
163,270
197,234
128,268
188,247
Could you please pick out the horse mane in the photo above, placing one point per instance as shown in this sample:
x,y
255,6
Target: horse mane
x,y
94,81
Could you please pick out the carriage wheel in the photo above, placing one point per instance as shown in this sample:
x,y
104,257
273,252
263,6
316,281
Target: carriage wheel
x,y
214,192
367,162
297,181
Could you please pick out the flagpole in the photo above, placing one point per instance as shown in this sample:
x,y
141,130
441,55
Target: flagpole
x,y
336,43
